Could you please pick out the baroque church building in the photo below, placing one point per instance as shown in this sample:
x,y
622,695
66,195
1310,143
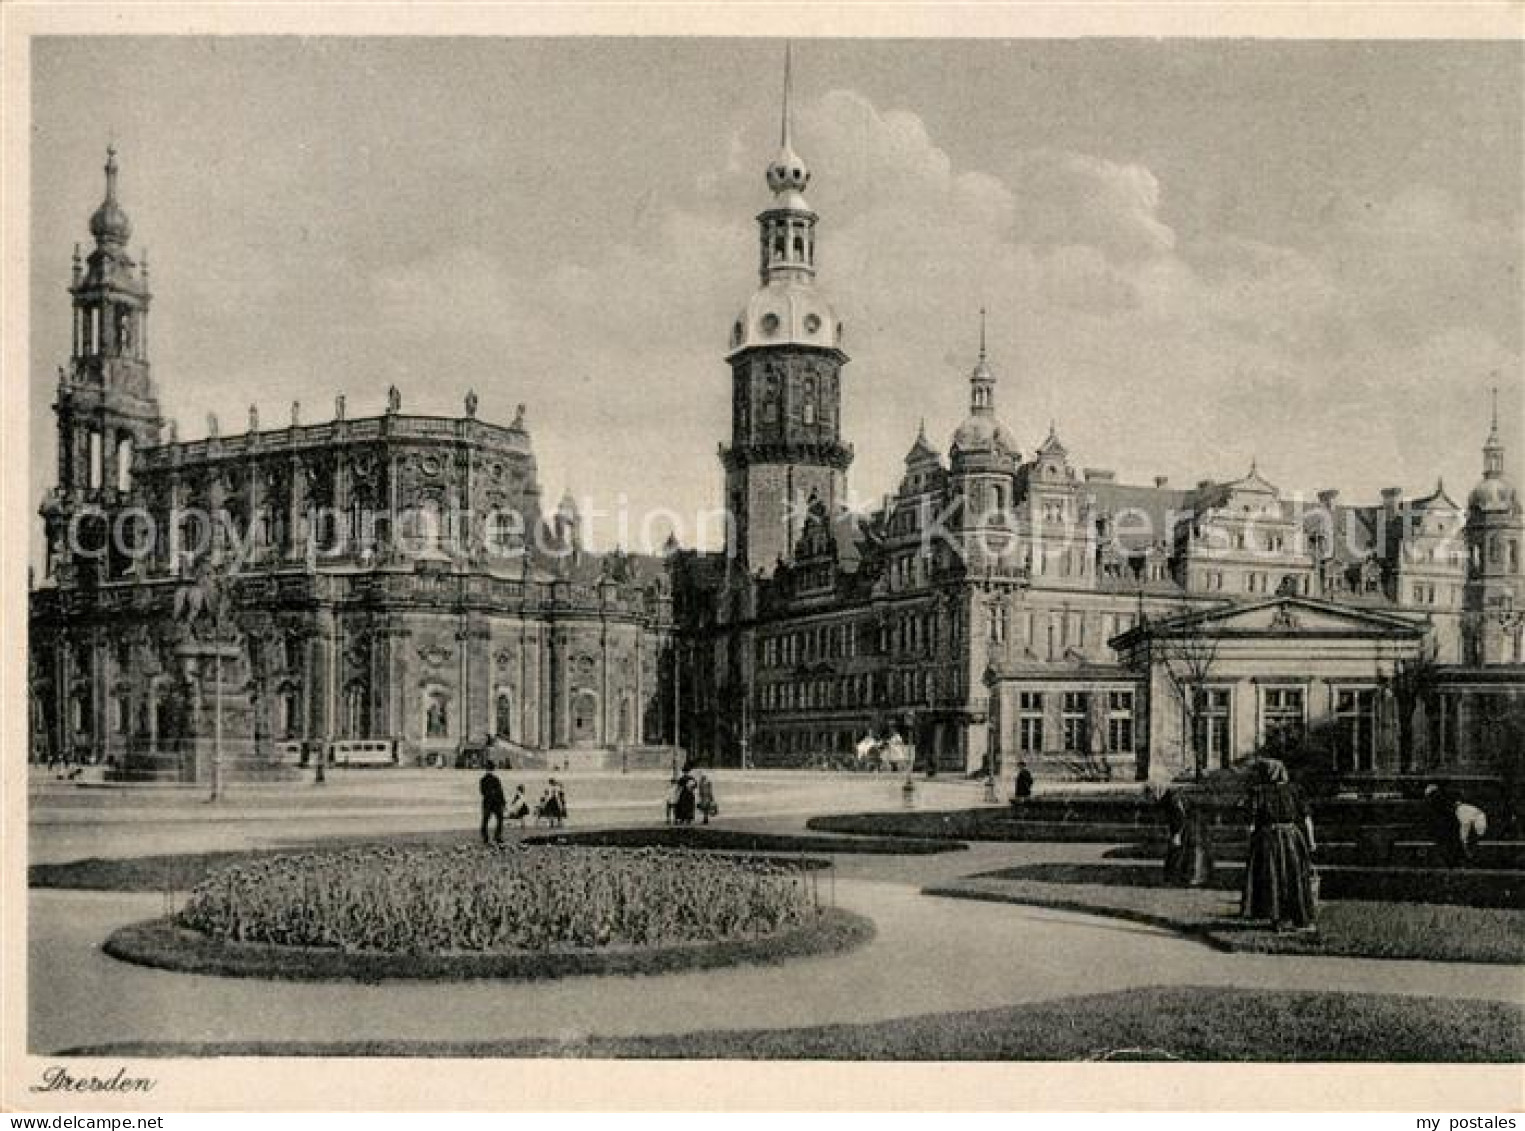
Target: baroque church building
x,y
1004,605
384,588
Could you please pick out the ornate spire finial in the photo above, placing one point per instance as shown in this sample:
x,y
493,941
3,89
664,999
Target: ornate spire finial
x,y
785,124
787,173
1493,433
110,225
982,333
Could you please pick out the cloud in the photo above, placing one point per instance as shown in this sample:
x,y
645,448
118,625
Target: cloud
x,y
1077,198
1356,356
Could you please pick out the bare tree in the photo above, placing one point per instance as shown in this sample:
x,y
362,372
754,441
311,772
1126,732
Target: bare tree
x,y
1415,682
1188,654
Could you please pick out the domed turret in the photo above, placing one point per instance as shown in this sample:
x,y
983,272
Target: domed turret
x,y
787,310
1494,493
110,224
982,430
786,313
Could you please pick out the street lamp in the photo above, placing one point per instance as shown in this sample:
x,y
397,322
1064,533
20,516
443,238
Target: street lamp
x,y
1509,620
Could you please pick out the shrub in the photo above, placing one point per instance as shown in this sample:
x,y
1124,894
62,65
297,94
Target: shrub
x,y
439,900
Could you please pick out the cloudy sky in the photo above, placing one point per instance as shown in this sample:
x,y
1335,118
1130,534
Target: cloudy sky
x,y
1193,253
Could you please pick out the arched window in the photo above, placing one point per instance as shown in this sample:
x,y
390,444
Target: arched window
x,y
436,715
97,459
291,713
584,717
356,716
124,462
503,716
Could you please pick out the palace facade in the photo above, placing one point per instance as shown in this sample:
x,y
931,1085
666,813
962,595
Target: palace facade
x,y
1004,604
384,588
399,593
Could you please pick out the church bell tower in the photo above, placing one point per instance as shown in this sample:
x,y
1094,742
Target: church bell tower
x,y
786,360
107,408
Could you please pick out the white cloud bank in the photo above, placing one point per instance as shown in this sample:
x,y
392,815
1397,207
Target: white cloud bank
x,y
1360,357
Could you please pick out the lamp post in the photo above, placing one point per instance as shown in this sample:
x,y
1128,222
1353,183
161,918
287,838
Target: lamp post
x,y
1509,620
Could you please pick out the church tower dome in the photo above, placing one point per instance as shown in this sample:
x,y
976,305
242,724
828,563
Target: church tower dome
x,y
1494,492
787,309
982,431
110,224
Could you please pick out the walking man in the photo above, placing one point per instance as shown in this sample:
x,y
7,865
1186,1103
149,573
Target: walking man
x,y
493,803
1022,788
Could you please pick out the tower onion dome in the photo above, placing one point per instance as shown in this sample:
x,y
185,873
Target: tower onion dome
x,y
787,309
788,173
982,430
110,225
1494,492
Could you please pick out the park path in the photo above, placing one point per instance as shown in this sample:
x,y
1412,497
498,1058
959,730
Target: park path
x,y
929,955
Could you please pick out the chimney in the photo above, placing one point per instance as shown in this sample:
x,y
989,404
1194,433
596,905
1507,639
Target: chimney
x,y
1391,497
1326,498
1162,481
1099,475
1204,484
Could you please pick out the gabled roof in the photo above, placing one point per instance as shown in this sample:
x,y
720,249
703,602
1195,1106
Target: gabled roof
x,y
1052,446
1277,616
1253,481
922,451
1435,500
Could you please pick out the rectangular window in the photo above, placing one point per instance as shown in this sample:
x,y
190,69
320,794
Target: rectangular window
x,y
1355,724
1074,718
1030,722
1282,716
1214,726
1120,722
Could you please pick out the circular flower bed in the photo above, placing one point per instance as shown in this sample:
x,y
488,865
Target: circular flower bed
x,y
423,900
537,911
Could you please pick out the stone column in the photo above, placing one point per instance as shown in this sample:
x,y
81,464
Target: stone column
x,y
296,521
318,683
256,536
99,726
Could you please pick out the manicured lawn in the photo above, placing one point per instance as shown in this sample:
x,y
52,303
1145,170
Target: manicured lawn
x,y
1178,1023
711,838
183,871
1353,928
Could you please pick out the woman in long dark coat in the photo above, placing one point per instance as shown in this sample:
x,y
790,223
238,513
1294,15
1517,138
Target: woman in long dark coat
x,y
1188,856
1278,879
683,810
